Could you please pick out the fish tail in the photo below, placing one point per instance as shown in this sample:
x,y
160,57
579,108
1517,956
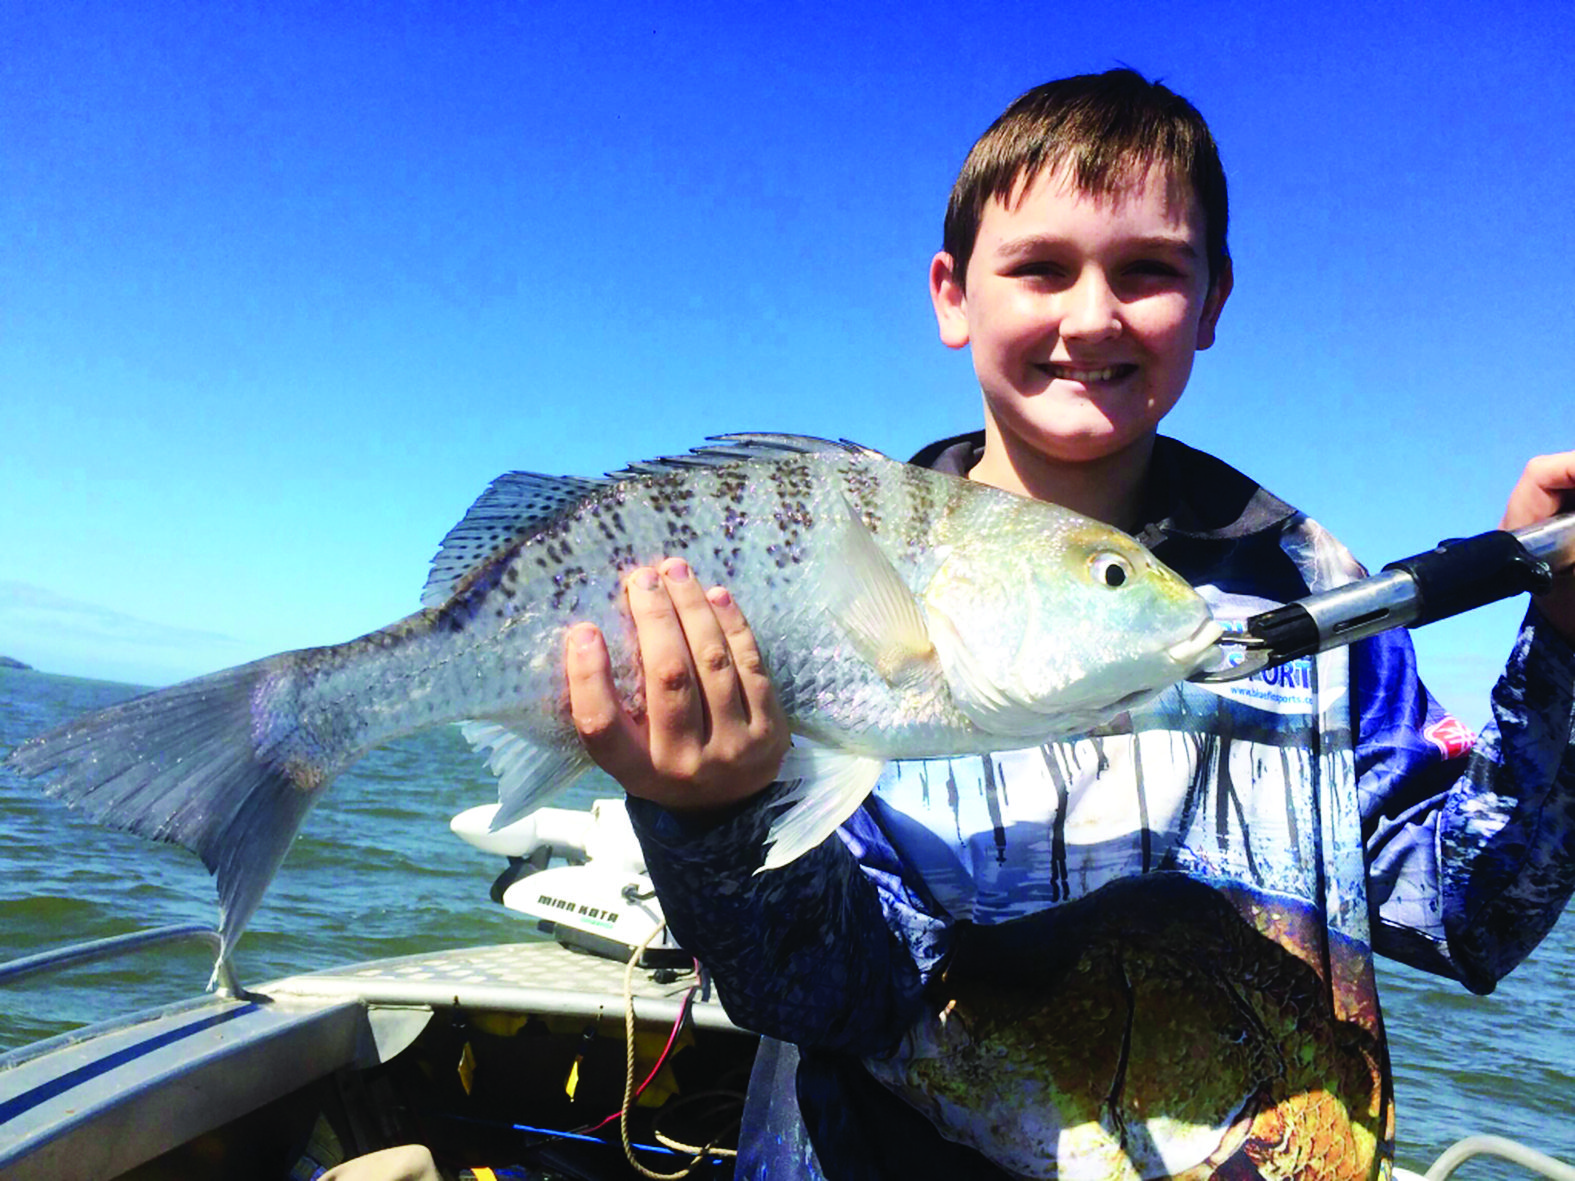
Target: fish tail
x,y
195,765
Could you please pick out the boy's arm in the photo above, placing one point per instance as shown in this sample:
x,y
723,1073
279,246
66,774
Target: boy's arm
x,y
802,953
1471,847
823,952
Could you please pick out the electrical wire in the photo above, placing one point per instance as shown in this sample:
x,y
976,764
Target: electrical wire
x,y
733,1102
631,1092
701,1153
661,1059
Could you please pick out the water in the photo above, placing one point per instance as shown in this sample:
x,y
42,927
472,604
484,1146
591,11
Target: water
x,y
377,873
374,873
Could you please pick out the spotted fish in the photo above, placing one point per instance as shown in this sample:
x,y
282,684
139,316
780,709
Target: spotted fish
x,y
901,613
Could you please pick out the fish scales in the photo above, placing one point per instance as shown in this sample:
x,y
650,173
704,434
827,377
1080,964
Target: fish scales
x,y
900,613
770,527
495,648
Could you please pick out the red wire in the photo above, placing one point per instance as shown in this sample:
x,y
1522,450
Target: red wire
x,y
661,1059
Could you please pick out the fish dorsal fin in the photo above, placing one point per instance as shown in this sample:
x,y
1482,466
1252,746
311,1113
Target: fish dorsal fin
x,y
517,504
725,449
874,607
514,505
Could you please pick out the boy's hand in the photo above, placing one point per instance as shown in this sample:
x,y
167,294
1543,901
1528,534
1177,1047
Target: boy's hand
x,y
713,732
1546,488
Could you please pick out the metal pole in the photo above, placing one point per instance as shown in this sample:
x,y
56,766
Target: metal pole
x,y
59,958
1527,1158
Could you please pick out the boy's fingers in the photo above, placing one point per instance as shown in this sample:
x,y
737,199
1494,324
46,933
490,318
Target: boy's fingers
x,y
674,716
759,698
1546,487
710,653
611,736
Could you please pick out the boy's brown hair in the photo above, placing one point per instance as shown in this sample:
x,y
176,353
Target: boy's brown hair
x,y
1106,129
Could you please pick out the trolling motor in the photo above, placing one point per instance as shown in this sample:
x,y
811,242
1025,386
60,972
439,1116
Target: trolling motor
x,y
1454,576
601,901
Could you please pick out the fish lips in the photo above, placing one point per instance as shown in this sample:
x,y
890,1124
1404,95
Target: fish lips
x,y
1176,663
1197,649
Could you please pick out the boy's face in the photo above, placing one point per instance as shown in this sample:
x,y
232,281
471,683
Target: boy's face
x,y
1083,312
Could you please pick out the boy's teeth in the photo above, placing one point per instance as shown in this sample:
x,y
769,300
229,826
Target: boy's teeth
x,y
1068,373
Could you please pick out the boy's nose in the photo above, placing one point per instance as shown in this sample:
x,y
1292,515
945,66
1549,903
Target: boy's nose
x,y
1090,309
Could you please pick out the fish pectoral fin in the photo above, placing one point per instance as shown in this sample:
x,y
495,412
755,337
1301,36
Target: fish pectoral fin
x,y
875,608
993,707
529,774
828,787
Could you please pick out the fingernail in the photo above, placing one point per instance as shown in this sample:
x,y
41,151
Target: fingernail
x,y
677,570
646,579
583,635
719,596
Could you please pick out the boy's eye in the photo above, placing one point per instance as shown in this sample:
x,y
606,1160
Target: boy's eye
x,y
1154,266
1037,270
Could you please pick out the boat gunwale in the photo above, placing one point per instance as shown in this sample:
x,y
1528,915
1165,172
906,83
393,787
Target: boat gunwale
x,y
589,985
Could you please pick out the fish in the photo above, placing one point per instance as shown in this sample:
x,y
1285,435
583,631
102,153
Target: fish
x,y
900,613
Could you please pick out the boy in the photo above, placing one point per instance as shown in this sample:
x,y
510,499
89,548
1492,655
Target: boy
x,y
1146,952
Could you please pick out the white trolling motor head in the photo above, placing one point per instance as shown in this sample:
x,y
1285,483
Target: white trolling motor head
x,y
601,901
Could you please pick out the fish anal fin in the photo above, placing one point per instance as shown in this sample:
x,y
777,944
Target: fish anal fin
x,y
529,773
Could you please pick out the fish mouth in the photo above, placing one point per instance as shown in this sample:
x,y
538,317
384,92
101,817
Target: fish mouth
x,y
1190,652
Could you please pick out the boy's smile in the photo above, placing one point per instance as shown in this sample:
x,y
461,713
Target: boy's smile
x,y
1083,312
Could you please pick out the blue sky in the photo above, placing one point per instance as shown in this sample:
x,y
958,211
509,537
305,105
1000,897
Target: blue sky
x,y
285,285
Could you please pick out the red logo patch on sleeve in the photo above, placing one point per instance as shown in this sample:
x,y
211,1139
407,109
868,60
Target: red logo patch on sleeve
x,y
1450,736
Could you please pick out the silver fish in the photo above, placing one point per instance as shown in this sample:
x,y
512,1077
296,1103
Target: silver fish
x,y
901,613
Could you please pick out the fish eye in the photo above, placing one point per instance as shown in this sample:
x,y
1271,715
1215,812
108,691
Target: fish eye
x,y
1110,569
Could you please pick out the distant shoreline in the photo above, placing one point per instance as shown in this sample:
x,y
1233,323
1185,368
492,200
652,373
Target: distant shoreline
x,y
12,662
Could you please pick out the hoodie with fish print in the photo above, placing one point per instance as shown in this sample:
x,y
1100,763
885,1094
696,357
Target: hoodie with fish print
x,y
1149,950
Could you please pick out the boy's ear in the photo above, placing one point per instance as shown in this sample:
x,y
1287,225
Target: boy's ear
x,y
1214,303
951,305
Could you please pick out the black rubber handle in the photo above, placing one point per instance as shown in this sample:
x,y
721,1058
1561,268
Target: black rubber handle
x,y
1465,572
